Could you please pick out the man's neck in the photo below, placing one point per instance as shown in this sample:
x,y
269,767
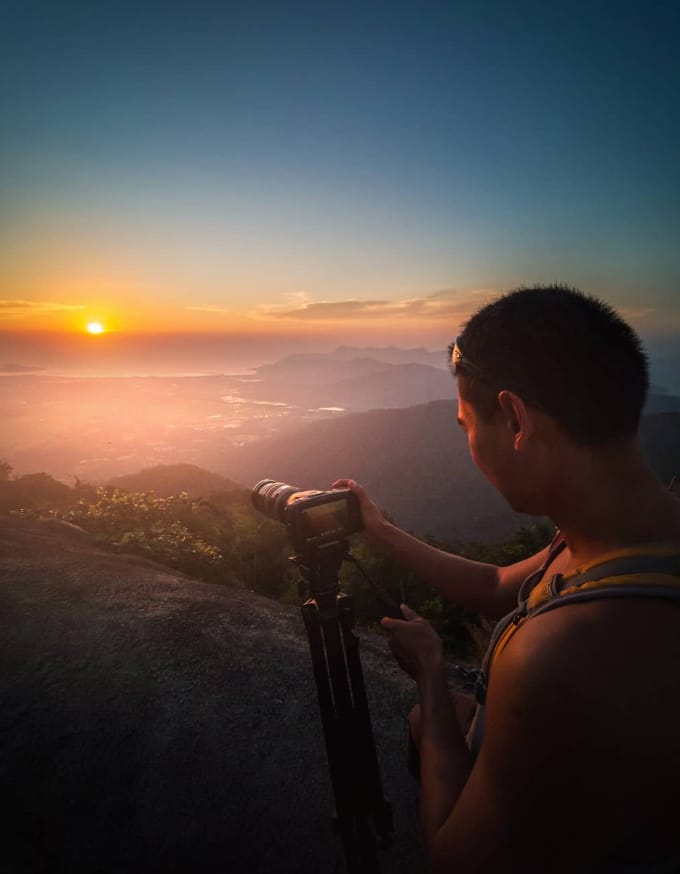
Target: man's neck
x,y
608,499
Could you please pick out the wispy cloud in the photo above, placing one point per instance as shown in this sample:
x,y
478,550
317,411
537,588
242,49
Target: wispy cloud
x,y
339,309
207,309
443,304
19,309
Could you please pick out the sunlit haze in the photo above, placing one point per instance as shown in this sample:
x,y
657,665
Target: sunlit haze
x,y
369,171
205,188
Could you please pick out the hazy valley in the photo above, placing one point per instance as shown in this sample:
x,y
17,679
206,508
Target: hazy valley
x,y
385,417
94,428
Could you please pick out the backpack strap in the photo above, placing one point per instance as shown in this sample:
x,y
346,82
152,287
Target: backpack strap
x,y
630,564
636,576
503,626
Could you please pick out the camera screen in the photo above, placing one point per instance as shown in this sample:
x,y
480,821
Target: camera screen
x,y
330,516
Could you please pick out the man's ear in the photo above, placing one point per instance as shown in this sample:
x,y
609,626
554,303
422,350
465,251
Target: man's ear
x,y
517,416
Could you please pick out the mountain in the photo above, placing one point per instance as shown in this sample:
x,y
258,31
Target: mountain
x,y
355,384
382,354
360,379
317,369
416,464
400,385
394,355
171,479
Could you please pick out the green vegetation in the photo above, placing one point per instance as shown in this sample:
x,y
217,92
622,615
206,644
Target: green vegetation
x,y
221,539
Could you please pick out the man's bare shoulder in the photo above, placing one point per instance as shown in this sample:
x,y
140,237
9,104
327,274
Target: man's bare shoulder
x,y
617,640
582,713
604,675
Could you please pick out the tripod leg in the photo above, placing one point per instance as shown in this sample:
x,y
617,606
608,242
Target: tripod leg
x,y
364,742
347,730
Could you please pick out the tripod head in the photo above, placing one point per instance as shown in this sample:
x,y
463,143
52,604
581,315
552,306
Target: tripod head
x,y
319,569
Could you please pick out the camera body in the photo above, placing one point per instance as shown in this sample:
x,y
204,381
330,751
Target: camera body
x,y
313,518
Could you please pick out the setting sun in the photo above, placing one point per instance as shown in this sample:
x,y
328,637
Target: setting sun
x,y
95,328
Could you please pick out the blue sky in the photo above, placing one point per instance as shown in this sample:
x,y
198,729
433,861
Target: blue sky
x,y
251,167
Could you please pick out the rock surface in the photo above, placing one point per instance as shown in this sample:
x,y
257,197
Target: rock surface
x,y
153,723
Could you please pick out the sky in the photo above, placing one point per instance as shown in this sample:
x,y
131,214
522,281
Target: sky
x,y
231,178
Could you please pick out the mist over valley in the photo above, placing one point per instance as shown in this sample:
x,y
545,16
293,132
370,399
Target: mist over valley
x,y
386,417
97,427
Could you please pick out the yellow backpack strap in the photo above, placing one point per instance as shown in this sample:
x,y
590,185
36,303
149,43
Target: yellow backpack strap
x,y
649,566
631,576
507,626
636,576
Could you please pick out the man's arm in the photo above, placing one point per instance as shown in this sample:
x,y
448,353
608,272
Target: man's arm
x,y
542,795
445,759
483,588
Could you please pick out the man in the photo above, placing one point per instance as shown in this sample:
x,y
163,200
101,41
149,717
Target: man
x,y
579,765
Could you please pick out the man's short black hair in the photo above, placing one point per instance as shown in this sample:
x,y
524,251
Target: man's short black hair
x,y
562,351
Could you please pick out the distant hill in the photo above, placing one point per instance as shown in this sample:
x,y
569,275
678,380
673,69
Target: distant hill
x,y
382,354
358,380
416,464
31,490
400,385
355,384
317,369
394,355
171,479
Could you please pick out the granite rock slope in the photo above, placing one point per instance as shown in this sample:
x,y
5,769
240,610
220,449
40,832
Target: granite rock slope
x,y
153,723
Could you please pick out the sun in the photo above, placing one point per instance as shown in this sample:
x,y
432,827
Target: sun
x,y
95,328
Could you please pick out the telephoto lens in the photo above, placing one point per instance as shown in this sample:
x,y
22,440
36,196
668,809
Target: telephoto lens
x,y
271,498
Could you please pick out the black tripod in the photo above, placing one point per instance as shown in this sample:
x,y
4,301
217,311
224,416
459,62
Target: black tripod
x,y
363,816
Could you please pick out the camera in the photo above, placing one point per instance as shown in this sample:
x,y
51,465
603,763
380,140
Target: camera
x,y
313,518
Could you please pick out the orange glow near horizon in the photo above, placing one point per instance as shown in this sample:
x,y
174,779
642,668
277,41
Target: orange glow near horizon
x,y
134,310
147,323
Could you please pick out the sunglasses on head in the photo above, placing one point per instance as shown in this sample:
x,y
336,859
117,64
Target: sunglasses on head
x,y
458,359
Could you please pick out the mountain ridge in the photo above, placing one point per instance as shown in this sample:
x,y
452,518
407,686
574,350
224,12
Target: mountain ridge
x,y
357,384
415,462
165,480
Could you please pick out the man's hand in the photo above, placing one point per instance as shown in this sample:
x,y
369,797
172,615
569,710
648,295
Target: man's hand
x,y
415,644
371,517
